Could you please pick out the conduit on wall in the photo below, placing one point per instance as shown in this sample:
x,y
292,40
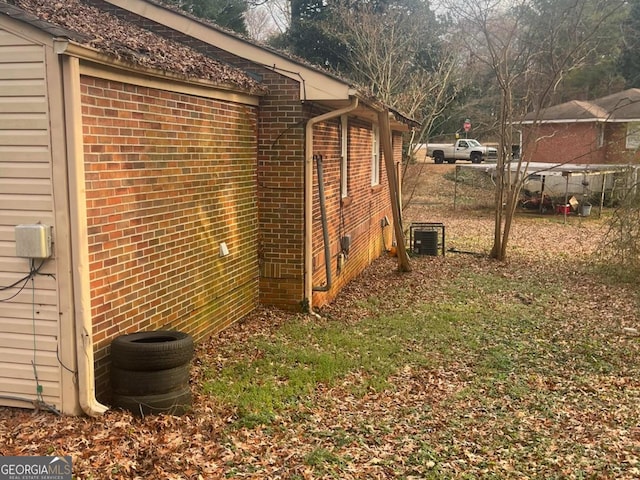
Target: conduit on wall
x,y
308,196
325,228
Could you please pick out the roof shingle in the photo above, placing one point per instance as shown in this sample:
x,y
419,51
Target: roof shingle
x,y
110,35
618,107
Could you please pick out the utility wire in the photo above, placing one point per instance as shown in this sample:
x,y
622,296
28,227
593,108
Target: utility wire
x,y
33,271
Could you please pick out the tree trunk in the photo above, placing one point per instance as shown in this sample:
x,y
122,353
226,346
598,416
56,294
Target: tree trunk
x,y
387,150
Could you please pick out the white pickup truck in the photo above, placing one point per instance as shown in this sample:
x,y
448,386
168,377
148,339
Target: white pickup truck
x,y
463,149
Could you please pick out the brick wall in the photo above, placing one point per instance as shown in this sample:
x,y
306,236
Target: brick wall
x,y
358,215
578,143
564,143
281,193
281,128
169,176
616,145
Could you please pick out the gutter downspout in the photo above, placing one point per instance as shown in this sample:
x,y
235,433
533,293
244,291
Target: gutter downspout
x,y
308,196
325,228
79,237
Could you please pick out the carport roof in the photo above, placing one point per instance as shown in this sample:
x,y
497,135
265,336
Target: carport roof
x,y
552,169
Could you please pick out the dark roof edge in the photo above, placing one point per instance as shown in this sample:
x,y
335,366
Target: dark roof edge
x,y
250,41
361,93
55,31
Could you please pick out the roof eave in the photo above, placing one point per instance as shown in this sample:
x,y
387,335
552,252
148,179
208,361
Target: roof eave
x,y
65,46
563,120
315,84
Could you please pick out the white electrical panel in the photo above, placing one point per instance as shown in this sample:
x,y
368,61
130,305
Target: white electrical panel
x,y
33,241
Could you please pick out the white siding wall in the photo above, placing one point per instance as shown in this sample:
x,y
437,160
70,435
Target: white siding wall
x,y
29,319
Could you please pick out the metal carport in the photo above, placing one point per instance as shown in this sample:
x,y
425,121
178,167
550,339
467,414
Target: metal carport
x,y
566,170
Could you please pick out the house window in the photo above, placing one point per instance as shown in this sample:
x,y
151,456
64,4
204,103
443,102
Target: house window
x,y
344,160
375,155
600,134
633,135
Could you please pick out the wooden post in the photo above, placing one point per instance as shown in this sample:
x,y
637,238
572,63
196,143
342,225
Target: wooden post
x,y
387,150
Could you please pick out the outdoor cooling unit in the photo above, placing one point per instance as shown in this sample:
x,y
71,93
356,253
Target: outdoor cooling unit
x,y
427,238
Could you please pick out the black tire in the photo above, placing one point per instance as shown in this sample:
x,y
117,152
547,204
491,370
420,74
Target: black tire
x,y
150,351
174,403
476,158
438,157
131,382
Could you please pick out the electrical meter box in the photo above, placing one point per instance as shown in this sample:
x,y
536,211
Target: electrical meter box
x,y
33,241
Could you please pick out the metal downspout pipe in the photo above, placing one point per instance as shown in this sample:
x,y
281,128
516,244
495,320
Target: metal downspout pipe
x,y
325,228
308,197
79,240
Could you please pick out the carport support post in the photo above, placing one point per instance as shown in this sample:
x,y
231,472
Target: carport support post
x,y
566,195
455,187
544,181
604,182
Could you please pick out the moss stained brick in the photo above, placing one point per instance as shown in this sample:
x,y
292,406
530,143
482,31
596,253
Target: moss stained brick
x,y
358,215
282,117
168,177
280,176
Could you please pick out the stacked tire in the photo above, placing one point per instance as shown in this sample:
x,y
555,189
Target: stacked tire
x,y
150,372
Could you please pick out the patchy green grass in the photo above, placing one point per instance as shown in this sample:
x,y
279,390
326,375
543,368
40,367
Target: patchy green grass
x,y
489,379
463,368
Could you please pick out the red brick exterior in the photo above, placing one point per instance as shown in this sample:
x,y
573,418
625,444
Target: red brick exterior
x,y
281,193
169,177
359,215
616,151
281,132
579,143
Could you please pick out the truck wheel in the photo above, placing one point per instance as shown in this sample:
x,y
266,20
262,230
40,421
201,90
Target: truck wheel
x,y
476,158
438,157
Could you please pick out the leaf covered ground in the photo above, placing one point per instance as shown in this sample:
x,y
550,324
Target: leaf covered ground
x,y
462,368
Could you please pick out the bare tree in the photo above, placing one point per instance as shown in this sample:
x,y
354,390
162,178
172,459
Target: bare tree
x,y
395,53
280,13
405,59
528,46
259,23
428,99
267,18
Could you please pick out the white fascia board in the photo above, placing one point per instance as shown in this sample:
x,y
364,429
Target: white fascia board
x,y
624,120
314,85
572,120
575,120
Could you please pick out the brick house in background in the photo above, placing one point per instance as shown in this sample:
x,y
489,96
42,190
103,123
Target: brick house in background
x,y
181,182
605,130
